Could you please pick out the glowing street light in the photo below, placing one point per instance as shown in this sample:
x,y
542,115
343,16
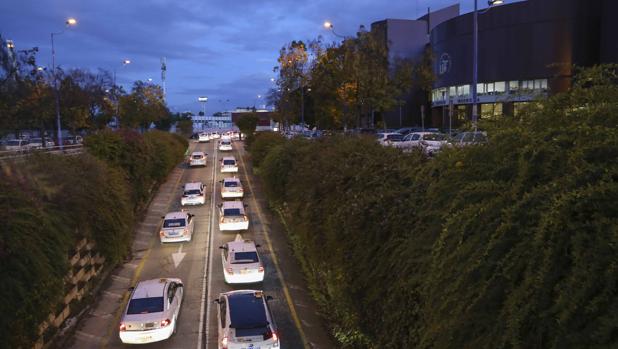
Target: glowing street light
x,y
70,22
328,25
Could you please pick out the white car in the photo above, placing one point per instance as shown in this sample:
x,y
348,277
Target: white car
x,y
193,194
197,158
17,145
241,262
203,138
433,143
177,226
229,165
225,144
412,140
389,138
469,138
245,321
38,143
231,188
232,216
152,312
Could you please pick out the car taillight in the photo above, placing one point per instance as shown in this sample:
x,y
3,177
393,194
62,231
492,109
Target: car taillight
x,y
123,327
221,220
261,269
161,233
224,343
165,322
230,271
240,189
185,231
276,339
245,218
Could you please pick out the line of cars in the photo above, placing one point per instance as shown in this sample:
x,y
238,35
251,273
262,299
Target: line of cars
x,y
244,317
26,144
431,141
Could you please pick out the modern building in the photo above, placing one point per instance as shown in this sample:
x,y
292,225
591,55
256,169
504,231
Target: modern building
x,y
527,50
265,119
409,39
217,120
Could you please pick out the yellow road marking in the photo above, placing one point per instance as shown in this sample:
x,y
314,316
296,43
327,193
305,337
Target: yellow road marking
x,y
286,292
136,275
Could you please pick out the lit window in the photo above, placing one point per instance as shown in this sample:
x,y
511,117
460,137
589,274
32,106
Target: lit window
x,y
500,87
452,91
513,85
490,88
480,89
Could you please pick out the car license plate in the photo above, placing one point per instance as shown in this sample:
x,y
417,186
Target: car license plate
x,y
145,339
173,233
244,271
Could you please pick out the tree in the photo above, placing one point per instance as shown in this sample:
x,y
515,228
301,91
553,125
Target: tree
x,y
143,106
247,124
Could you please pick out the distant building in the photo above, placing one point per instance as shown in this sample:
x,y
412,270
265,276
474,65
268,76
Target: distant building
x,y
265,120
217,120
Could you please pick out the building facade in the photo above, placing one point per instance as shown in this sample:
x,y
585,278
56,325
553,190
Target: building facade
x,y
527,50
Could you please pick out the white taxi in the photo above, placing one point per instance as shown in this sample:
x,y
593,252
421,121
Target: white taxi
x,y
152,312
231,188
232,216
193,194
241,262
229,165
197,158
177,227
225,144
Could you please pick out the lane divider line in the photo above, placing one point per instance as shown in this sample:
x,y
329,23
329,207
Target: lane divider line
x,y
207,284
286,291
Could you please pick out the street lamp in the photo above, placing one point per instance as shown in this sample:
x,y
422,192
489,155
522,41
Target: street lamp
x,y
116,97
475,58
69,23
329,26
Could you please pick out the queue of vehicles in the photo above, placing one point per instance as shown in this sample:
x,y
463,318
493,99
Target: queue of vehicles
x,y
430,141
244,317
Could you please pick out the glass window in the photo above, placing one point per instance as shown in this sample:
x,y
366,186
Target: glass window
x,y
452,91
500,87
245,257
480,89
232,212
513,85
490,88
145,305
174,223
466,90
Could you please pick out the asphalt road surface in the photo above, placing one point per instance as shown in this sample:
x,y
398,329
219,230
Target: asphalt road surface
x,y
198,264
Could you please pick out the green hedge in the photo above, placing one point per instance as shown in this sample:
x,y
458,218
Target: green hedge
x,y
508,245
261,144
49,203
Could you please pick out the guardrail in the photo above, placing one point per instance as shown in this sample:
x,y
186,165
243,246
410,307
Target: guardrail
x,y
66,150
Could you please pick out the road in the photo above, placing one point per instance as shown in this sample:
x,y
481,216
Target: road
x,y
198,264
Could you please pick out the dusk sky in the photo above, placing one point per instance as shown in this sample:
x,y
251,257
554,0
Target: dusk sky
x,y
223,49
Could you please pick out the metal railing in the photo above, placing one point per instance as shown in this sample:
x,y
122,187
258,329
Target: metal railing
x,y
72,149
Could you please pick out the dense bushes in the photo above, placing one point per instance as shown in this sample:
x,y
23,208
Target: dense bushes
x,y
261,143
509,245
49,203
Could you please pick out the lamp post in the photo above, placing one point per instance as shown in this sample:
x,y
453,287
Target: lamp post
x,y
69,23
475,57
116,97
329,25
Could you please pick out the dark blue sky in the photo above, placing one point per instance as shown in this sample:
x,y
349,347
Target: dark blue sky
x,y
223,49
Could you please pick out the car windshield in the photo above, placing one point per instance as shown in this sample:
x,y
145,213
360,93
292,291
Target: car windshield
x,y
193,192
230,184
245,257
435,137
197,157
225,143
13,142
35,140
231,212
145,305
247,312
174,223
229,162
394,137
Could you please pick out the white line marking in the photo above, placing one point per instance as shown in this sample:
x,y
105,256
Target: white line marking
x,y
178,256
208,265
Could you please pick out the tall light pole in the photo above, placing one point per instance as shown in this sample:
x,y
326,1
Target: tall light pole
x,y
69,23
116,97
329,25
475,57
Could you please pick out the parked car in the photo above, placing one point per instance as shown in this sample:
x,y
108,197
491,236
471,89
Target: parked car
x,y
225,144
38,143
72,140
432,143
177,227
151,314
389,138
245,321
17,145
414,139
229,165
193,194
231,188
232,216
406,130
197,158
241,262
469,138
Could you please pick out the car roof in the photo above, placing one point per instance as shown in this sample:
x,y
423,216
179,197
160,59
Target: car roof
x,y
198,153
247,308
241,246
233,204
229,158
149,288
193,185
176,215
231,179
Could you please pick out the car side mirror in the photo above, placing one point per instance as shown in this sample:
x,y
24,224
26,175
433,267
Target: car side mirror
x,y
223,247
269,298
131,289
162,217
220,205
216,301
221,181
258,245
245,205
